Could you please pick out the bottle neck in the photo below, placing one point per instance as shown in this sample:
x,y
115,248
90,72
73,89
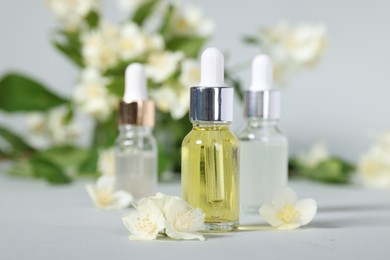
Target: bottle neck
x,y
208,125
257,122
134,130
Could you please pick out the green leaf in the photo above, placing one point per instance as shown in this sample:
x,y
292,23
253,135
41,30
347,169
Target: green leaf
x,y
93,19
68,43
89,166
22,168
164,160
167,21
16,143
117,86
105,133
20,93
65,156
4,154
119,69
169,135
143,11
251,40
191,46
49,171
333,170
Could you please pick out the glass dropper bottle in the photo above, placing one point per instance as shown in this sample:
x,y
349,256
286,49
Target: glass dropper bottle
x,y
264,149
135,147
210,152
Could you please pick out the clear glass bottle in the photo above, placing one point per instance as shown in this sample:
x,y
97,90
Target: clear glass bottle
x,y
136,160
264,161
210,152
264,149
210,166
136,148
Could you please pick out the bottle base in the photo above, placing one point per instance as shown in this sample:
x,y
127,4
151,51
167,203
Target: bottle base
x,y
221,227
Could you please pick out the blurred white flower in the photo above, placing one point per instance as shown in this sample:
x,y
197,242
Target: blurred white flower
x,y
36,123
286,212
129,5
155,213
190,20
172,99
315,155
100,47
106,162
306,43
183,222
164,97
293,47
131,42
145,222
71,13
52,128
190,73
182,104
374,165
153,42
92,96
61,129
104,195
161,65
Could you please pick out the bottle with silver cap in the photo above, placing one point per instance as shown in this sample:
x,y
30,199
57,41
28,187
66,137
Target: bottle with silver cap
x,y
264,149
210,152
135,148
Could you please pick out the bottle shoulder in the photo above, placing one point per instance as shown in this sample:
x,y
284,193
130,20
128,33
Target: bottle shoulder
x,y
211,137
262,134
136,142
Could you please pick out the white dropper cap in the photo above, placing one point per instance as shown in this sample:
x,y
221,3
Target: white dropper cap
x,y
262,100
262,73
212,68
212,100
135,83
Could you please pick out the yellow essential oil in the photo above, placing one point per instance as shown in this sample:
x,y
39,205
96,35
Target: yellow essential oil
x,y
210,167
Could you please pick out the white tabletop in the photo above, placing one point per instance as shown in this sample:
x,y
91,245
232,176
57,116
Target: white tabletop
x,y
39,221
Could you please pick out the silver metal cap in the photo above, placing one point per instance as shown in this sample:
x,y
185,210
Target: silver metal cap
x,y
211,104
263,104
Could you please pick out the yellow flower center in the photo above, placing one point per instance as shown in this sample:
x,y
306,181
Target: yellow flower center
x,y
145,224
184,220
105,196
288,213
181,24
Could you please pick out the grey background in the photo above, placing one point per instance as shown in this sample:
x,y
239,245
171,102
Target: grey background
x,y
344,101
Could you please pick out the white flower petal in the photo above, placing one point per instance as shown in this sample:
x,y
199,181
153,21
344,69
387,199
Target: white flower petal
x,y
182,220
198,218
173,233
144,223
144,237
106,162
141,228
269,213
175,205
288,226
161,65
148,205
307,209
121,199
106,182
91,190
283,196
160,200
